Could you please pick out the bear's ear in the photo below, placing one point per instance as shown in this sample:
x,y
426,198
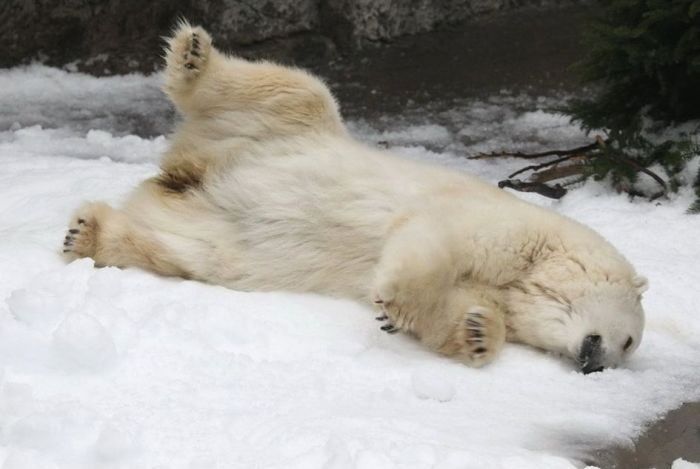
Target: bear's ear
x,y
640,283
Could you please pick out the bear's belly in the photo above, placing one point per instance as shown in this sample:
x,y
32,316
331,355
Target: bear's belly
x,y
301,226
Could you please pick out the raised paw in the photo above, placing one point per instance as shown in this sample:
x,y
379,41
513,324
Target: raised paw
x,y
188,51
81,237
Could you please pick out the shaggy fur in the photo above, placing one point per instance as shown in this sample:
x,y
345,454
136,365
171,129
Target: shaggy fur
x,y
263,189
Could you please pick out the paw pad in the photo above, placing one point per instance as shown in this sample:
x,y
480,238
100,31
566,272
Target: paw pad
x,y
188,51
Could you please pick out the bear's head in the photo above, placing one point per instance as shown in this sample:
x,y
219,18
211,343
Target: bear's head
x,y
586,307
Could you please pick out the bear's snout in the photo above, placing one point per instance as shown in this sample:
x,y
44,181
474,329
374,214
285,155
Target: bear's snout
x,y
591,352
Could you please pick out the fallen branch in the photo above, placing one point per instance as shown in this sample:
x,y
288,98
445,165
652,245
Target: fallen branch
x,y
536,167
559,172
577,180
553,192
552,170
530,156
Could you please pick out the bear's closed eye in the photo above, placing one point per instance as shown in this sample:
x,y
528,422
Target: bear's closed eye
x,y
628,344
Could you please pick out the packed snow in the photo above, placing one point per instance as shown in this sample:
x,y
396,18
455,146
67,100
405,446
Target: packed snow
x,y
109,368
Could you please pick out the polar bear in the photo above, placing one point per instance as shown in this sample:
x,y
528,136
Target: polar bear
x,y
262,188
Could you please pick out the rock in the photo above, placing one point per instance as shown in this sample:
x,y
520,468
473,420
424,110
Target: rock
x,y
117,36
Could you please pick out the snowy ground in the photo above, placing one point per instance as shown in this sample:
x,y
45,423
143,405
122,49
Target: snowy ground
x,y
122,369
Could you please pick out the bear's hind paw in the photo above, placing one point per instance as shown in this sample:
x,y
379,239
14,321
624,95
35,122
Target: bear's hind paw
x,y
81,237
188,51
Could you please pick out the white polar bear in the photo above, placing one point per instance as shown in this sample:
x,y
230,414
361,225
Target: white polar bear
x,y
262,188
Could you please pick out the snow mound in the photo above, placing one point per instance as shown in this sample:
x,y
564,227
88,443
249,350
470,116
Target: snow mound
x,y
682,464
120,368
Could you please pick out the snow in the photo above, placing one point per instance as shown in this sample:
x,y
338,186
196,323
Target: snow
x,y
120,369
682,464
433,384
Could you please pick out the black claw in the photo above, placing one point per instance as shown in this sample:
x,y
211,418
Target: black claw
x,y
66,250
190,66
74,231
382,318
68,243
68,237
195,53
387,327
81,221
473,323
480,350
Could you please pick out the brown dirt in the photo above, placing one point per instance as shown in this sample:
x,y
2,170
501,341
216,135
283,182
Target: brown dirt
x,y
677,435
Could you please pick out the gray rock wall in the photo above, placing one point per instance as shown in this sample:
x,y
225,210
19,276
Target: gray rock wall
x,y
116,36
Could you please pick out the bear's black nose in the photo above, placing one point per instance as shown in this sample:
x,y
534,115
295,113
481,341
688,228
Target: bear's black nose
x,y
590,354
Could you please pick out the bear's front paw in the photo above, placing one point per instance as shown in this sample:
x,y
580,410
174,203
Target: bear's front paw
x,y
479,338
403,299
483,337
396,310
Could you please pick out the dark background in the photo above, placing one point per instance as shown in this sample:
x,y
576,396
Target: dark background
x,y
115,36
376,54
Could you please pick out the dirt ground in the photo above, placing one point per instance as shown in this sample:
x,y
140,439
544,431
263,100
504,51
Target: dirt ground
x,y
675,436
530,50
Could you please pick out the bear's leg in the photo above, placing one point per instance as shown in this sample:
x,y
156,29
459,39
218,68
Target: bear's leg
x,y
418,287
109,237
228,97
414,273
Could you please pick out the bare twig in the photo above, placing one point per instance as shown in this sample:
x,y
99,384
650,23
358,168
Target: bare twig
x,y
635,165
530,156
553,192
638,167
